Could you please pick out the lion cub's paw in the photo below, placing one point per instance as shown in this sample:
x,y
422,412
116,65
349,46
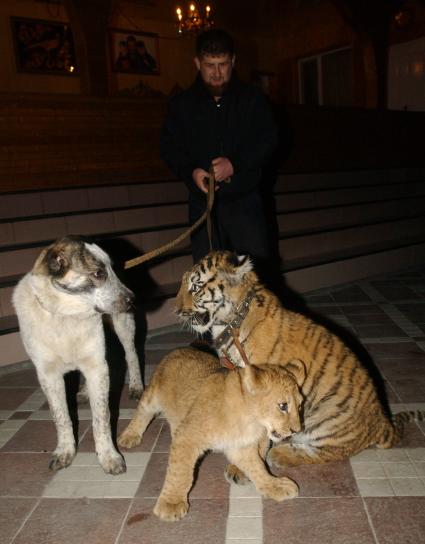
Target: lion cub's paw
x,y
170,511
129,439
233,474
280,489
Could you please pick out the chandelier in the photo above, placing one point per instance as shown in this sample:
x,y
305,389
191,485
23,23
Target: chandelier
x,y
194,22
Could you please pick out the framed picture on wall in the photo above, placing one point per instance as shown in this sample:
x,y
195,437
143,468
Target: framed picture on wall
x,y
43,47
134,52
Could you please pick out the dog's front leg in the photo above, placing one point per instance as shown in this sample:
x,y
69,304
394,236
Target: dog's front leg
x,y
97,376
53,386
125,328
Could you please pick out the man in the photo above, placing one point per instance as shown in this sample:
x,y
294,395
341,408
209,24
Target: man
x,y
221,122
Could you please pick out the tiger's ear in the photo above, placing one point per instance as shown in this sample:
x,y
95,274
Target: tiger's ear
x,y
237,266
297,369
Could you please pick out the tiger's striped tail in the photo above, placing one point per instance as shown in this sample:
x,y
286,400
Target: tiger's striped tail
x,y
402,418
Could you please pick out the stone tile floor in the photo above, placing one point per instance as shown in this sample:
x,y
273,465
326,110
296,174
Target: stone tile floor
x,y
377,497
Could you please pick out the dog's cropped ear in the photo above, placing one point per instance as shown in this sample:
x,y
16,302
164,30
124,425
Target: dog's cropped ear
x,y
51,262
297,369
237,266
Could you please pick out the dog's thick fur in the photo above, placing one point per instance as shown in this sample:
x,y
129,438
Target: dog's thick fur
x,y
59,305
209,407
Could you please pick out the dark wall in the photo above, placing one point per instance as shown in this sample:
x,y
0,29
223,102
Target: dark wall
x,y
56,141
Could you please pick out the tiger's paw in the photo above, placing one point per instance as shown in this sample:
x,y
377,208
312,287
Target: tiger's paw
x,y
278,457
234,475
170,511
280,489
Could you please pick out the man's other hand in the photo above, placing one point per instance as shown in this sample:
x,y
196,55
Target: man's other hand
x,y
223,168
200,177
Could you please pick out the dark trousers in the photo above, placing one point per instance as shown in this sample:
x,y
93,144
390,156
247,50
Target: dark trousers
x,y
238,225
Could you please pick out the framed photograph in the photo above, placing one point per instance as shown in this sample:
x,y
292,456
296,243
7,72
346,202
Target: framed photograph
x,y
45,47
134,52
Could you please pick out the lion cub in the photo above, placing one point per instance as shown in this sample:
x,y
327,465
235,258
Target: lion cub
x,y
211,408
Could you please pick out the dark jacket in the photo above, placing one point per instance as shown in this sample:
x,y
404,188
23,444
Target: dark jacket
x,y
198,129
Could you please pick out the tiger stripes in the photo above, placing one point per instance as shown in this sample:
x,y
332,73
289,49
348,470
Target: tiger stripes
x,y
342,411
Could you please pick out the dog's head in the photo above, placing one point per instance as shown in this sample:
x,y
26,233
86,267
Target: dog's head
x,y
84,271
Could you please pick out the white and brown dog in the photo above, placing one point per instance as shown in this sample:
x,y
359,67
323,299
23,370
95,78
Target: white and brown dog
x,y
59,305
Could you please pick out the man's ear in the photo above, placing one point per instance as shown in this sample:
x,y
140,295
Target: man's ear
x,y
297,369
233,60
197,63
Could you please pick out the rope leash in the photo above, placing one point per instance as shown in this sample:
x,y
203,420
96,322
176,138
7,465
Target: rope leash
x,y
170,245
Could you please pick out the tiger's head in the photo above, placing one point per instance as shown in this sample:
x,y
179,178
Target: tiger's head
x,y
212,289
274,392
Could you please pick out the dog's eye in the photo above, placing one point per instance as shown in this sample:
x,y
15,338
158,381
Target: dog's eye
x,y
283,406
99,274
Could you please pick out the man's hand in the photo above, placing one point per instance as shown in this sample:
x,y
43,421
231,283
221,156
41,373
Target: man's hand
x,y
223,168
200,177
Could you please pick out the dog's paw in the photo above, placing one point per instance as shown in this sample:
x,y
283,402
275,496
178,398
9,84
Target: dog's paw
x,y
113,463
135,392
83,394
129,439
234,475
171,511
82,397
61,459
279,489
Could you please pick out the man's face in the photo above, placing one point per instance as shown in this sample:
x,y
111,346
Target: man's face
x,y
215,71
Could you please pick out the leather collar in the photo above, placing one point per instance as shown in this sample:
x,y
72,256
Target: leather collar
x,y
231,332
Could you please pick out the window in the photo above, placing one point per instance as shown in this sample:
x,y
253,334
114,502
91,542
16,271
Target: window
x,y
327,79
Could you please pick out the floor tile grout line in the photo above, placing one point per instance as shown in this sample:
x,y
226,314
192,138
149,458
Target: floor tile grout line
x,y
400,319
18,387
371,292
83,435
25,520
130,506
157,438
372,527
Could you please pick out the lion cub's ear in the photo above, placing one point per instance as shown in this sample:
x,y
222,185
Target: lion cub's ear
x,y
297,369
251,378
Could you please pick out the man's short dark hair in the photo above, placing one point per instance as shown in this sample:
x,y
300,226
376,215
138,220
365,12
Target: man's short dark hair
x,y
214,42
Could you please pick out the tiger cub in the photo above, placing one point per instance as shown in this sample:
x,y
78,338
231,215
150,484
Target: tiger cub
x,y
342,414
209,407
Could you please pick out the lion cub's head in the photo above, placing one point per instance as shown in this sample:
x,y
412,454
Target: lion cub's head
x,y
274,395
